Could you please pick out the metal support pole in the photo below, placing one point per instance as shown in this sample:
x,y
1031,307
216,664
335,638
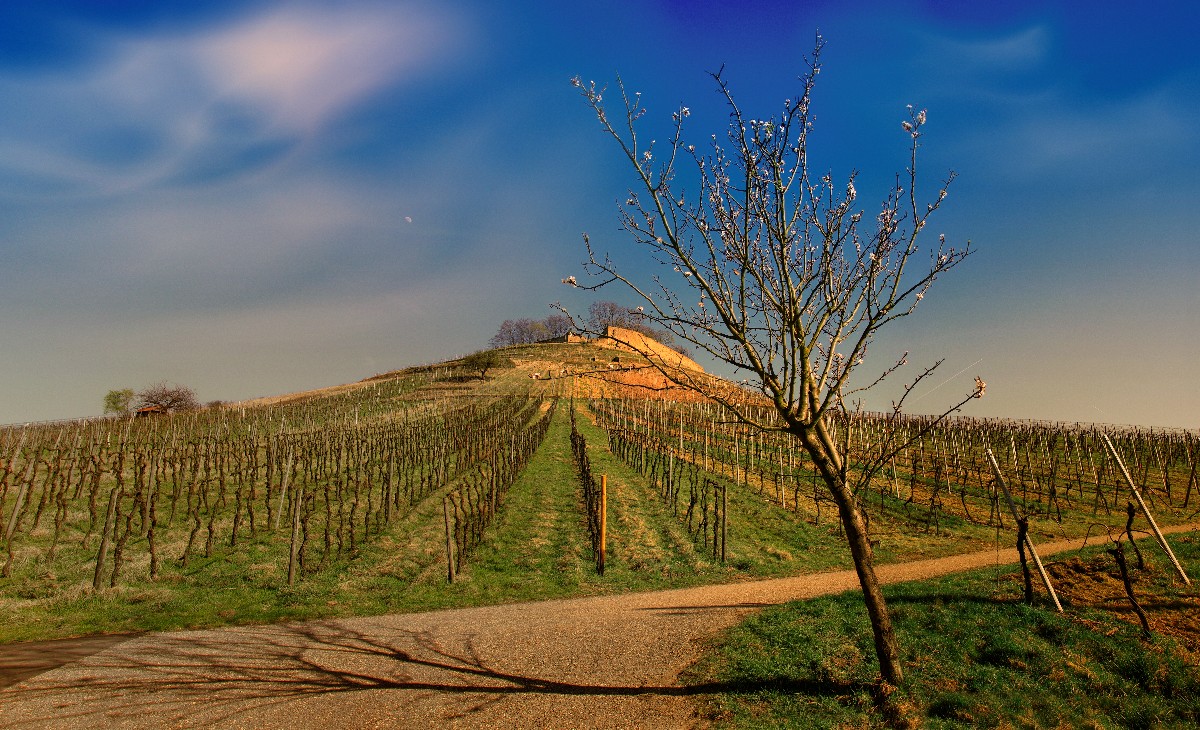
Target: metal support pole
x,y
1145,510
1012,507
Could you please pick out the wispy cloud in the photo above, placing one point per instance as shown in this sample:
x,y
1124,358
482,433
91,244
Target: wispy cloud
x,y
1022,50
1120,136
301,67
1075,142
199,106
1028,121
990,67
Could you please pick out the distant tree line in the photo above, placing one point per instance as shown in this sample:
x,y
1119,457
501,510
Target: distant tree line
x,y
528,331
601,315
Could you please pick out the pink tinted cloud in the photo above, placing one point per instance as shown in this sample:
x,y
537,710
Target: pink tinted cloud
x,y
301,66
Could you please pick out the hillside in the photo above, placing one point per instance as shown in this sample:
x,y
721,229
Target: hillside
x,y
631,341
603,367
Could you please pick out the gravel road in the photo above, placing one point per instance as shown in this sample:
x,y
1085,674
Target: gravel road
x,y
603,662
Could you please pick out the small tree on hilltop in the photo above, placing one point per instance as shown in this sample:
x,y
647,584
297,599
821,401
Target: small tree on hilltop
x,y
483,361
119,402
170,398
602,314
774,272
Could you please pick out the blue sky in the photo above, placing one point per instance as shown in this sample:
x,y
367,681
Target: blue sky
x,y
254,198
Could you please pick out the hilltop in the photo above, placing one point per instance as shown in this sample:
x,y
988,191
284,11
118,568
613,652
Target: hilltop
x,y
603,367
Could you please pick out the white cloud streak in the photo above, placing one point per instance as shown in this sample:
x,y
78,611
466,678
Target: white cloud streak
x,y
152,108
1037,125
1022,50
303,67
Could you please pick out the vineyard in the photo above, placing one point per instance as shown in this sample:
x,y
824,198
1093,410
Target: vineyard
x,y
318,479
926,475
430,487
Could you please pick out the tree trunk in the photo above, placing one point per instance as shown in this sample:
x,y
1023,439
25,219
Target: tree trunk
x,y
821,448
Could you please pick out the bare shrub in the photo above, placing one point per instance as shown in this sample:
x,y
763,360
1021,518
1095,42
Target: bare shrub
x,y
169,397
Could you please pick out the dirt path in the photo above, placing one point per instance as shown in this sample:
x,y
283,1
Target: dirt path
x,y
605,662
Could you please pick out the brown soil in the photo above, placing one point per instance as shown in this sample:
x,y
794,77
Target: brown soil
x,y
635,342
1096,583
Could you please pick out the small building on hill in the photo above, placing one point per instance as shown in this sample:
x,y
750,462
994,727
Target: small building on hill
x,y
570,337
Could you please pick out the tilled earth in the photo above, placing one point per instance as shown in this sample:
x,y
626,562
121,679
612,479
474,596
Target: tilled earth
x,y
1096,583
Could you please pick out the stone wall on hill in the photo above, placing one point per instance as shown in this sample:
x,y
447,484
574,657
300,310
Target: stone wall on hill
x,y
631,341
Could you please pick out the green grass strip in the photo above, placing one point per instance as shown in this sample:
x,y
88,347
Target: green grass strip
x,y
974,656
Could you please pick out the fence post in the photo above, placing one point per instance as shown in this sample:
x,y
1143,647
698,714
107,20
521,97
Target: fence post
x,y
449,547
294,547
724,517
603,522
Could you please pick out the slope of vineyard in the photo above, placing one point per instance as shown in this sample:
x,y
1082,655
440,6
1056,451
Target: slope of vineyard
x,y
433,486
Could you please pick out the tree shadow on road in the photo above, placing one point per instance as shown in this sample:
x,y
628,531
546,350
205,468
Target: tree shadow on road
x,y
218,676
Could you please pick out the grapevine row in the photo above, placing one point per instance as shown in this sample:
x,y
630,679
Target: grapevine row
x,y
928,469
173,488
469,508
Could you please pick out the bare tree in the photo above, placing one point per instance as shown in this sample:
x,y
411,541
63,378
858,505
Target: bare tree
x,y
528,331
557,325
769,268
168,397
505,335
604,314
513,332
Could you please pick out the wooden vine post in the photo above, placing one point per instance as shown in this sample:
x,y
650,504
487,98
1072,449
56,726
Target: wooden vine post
x,y
1162,541
449,545
294,546
1012,507
603,522
1022,535
724,518
15,518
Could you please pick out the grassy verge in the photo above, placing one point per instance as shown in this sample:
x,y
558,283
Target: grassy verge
x,y
534,549
241,587
538,546
974,654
